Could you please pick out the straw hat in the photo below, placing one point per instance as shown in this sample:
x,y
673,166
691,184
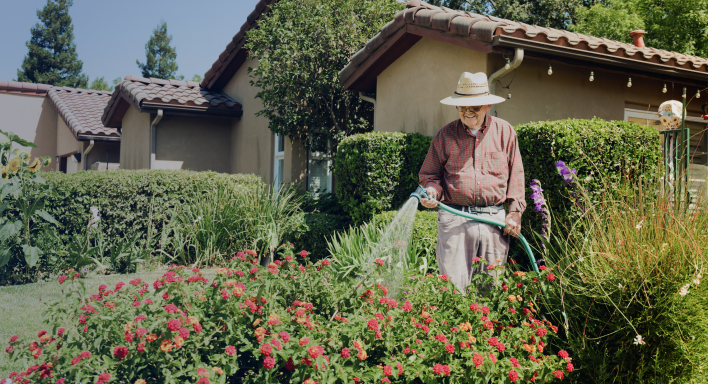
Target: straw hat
x,y
472,89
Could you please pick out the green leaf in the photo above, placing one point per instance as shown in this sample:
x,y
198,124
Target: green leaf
x,y
31,254
4,256
10,229
46,216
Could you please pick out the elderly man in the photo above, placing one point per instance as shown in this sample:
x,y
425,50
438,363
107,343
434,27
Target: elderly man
x,y
474,165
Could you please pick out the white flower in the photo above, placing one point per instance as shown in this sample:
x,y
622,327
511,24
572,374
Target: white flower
x,y
696,281
684,290
581,259
638,340
664,246
588,178
619,285
95,218
639,226
199,218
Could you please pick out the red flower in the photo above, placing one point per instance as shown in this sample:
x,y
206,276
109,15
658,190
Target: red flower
x,y
231,350
268,363
284,336
387,370
197,327
558,374
493,358
14,338
346,352
9,349
174,324
450,348
184,333
170,308
85,354
485,310
304,341
444,277
60,332
75,360
379,262
551,277
103,378
266,349
513,376
62,279
140,318
408,306
315,351
290,364
373,325
120,352
128,337
543,268
303,253
203,380
562,354
441,338
515,362
141,347
541,332
119,285
569,368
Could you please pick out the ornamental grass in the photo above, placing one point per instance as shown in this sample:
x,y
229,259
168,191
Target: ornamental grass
x,y
293,322
630,270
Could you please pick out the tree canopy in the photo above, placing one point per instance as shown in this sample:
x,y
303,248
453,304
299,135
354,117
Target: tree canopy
x,y
100,84
161,57
301,46
52,57
546,13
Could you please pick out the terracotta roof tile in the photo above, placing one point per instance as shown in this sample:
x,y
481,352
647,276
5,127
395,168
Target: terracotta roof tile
x,y
81,110
138,90
226,65
485,28
24,88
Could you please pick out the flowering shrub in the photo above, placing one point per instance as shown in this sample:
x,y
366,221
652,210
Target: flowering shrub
x,y
292,322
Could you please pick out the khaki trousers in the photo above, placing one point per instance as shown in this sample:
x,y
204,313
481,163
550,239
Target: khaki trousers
x,y
460,240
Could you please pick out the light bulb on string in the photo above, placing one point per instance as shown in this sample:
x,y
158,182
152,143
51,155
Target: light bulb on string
x,y
664,90
550,69
629,83
592,76
698,93
508,63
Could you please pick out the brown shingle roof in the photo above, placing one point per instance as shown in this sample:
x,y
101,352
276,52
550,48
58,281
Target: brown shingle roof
x,y
231,59
443,23
81,110
186,96
23,88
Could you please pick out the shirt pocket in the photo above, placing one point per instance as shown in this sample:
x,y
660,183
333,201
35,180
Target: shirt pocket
x,y
496,164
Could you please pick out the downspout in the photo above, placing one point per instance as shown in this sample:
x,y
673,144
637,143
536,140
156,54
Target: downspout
x,y
153,130
370,100
518,58
83,156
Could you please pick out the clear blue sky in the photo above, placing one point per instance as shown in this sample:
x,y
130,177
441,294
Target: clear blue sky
x,y
111,35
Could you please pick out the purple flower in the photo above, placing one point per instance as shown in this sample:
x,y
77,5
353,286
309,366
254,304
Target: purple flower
x,y
539,205
569,175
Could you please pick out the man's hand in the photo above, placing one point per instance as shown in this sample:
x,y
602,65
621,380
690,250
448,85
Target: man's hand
x,y
513,224
432,202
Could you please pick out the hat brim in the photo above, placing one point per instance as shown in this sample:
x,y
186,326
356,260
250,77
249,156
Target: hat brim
x,y
468,101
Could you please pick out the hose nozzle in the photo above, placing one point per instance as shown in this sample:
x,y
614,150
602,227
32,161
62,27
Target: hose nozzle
x,y
419,193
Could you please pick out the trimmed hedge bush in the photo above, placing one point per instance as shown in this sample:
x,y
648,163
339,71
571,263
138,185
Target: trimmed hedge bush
x,y
129,202
605,153
314,230
376,171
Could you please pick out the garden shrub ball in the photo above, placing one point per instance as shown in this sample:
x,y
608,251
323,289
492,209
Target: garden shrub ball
x,y
292,322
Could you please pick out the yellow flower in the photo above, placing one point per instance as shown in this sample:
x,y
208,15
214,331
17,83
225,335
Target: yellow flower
x,y
14,165
218,370
24,155
35,165
139,381
179,341
166,346
4,173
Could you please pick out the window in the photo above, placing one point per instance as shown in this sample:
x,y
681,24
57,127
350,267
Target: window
x,y
319,173
279,160
698,142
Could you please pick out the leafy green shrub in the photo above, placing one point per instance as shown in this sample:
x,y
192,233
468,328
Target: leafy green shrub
x,y
631,269
293,323
314,231
619,150
376,171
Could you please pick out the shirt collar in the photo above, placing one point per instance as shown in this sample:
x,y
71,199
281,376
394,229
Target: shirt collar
x,y
482,129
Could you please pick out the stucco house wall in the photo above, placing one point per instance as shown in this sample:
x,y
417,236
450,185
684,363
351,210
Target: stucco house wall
x,y
33,118
252,148
135,140
193,143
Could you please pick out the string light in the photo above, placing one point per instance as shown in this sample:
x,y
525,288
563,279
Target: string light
x,y
550,69
698,93
508,63
629,83
664,90
592,76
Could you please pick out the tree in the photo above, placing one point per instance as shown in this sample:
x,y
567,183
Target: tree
x,y
197,78
52,57
301,46
100,84
545,13
673,25
161,57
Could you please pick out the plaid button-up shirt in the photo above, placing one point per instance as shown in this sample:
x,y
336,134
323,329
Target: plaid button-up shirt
x,y
476,171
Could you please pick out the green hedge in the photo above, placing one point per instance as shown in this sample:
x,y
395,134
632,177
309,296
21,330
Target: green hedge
x,y
605,153
376,171
314,231
129,202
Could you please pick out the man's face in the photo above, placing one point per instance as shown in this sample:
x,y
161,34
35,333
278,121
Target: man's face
x,y
473,117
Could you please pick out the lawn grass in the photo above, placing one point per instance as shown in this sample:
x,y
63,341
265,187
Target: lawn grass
x,y
22,307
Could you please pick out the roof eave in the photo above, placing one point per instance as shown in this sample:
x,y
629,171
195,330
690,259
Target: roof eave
x,y
192,110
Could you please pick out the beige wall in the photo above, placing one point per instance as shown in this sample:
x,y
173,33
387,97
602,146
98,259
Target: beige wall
x,y
33,118
100,151
66,142
252,149
135,140
409,91
194,143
